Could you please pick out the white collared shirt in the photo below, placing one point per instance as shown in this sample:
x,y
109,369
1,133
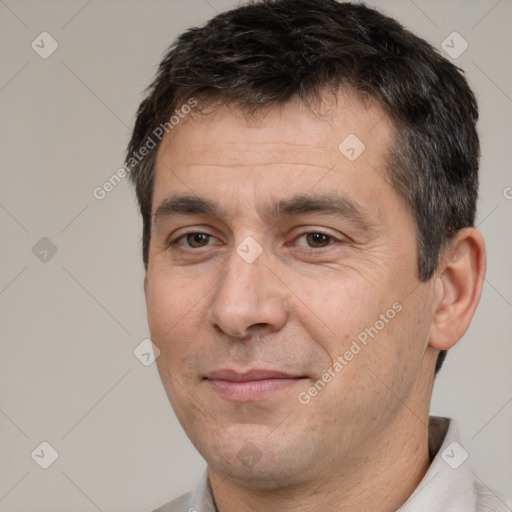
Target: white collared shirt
x,y
448,486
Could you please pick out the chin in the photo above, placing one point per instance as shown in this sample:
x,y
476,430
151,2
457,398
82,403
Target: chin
x,y
247,454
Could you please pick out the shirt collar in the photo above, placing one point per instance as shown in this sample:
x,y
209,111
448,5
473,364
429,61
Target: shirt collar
x,y
449,483
202,498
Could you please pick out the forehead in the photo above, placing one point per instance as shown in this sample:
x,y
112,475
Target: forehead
x,y
287,142
316,131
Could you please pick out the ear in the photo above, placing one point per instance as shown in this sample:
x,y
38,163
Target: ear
x,y
146,285
458,286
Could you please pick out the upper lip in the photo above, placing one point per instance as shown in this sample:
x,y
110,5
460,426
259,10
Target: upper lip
x,y
255,374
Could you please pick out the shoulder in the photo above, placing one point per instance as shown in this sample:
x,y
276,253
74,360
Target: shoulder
x,y
181,504
490,501
199,500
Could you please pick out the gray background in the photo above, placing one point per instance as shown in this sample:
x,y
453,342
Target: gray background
x,y
70,324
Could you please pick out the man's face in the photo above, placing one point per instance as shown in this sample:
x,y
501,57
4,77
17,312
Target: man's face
x,y
245,335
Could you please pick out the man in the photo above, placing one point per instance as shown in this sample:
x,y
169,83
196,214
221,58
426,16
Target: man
x,y
310,255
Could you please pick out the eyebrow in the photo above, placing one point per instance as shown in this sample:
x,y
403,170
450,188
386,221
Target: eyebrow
x,y
336,204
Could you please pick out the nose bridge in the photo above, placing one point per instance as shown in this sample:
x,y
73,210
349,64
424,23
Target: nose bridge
x,y
247,294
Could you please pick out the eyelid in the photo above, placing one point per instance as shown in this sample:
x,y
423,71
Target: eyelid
x,y
334,239
173,240
191,229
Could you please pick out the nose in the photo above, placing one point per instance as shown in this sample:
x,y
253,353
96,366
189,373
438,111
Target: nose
x,y
249,298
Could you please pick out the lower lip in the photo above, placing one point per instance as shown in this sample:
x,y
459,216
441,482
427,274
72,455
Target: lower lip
x,y
252,389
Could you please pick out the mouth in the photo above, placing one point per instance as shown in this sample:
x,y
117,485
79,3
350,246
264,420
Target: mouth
x,y
251,385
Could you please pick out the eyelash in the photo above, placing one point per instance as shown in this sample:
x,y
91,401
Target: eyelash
x,y
175,242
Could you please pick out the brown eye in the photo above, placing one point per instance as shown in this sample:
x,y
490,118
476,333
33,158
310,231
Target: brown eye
x,y
193,240
317,239
197,239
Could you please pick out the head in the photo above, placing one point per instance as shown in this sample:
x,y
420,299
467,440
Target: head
x,y
340,152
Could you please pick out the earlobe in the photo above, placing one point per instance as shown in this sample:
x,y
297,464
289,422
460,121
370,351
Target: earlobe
x,y
458,287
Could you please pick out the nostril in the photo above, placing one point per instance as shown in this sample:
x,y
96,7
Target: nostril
x,y
261,325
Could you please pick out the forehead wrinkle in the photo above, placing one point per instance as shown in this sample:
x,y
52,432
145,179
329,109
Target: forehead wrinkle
x,y
259,164
247,154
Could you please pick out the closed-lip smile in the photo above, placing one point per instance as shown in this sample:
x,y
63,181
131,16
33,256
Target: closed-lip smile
x,y
250,385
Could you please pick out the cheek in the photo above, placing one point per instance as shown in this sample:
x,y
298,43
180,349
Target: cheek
x,y
170,300
338,310
176,313
396,355
376,328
